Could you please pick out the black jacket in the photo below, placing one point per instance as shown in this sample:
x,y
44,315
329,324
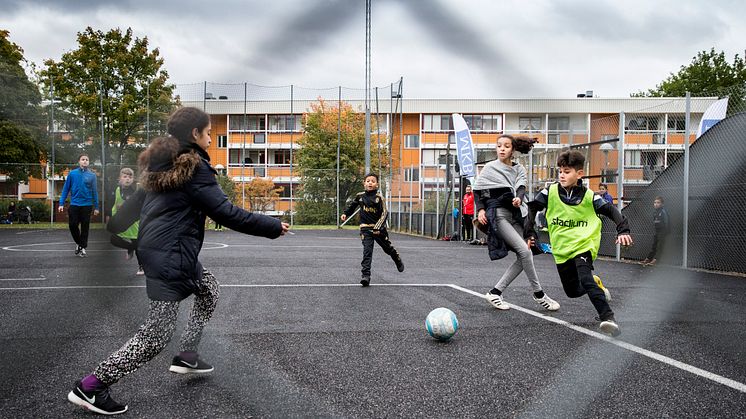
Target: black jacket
x,y
661,221
178,190
373,211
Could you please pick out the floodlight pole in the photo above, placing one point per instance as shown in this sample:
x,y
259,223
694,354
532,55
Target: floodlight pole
x,y
367,86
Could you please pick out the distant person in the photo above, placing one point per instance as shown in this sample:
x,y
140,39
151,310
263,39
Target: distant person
x,y
603,191
11,211
499,191
661,223
373,216
177,191
467,226
127,239
575,234
82,185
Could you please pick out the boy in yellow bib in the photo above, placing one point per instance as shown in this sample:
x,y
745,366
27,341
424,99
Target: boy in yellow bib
x,y
575,234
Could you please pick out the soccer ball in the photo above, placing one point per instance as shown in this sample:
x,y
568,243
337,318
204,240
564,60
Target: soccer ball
x,y
441,324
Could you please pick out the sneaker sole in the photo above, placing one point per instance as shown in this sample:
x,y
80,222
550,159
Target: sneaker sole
x,y
72,398
610,329
185,370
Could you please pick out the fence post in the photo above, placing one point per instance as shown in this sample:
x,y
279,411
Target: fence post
x,y
685,192
620,176
411,191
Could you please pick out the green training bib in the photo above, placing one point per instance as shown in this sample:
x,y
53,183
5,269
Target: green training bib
x,y
573,229
131,232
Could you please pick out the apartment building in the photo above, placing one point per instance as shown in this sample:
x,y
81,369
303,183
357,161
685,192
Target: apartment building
x,y
256,138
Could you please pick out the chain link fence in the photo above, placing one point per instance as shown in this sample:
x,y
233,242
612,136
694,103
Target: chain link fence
x,y
637,155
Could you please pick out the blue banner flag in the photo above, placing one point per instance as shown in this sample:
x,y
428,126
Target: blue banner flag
x,y
464,147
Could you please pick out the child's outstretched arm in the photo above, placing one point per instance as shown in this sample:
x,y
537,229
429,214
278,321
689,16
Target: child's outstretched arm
x,y
607,209
352,206
127,214
534,207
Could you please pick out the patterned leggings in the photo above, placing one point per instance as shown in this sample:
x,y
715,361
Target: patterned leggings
x,y
157,331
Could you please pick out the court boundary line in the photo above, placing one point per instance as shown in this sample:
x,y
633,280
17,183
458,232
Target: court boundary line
x,y
738,386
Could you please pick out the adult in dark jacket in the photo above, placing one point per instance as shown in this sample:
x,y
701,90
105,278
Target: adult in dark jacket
x,y
178,190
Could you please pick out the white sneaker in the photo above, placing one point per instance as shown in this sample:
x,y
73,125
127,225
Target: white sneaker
x,y
140,271
610,327
496,301
547,303
82,252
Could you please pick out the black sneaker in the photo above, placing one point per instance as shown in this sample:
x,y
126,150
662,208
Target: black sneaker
x,y
399,263
365,281
98,400
77,250
180,366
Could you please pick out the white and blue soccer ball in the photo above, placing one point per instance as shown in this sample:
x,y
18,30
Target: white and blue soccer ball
x,y
441,324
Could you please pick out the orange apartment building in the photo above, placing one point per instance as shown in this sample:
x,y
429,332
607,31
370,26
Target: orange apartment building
x,y
255,138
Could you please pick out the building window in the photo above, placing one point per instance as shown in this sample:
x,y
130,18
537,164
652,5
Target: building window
x,y
632,158
260,138
412,174
529,123
222,141
247,123
412,141
676,123
642,123
279,123
282,156
485,155
432,157
437,123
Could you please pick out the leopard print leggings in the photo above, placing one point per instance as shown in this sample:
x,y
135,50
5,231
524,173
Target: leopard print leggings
x,y
157,331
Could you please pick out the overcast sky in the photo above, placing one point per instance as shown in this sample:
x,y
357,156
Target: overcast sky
x,y
442,48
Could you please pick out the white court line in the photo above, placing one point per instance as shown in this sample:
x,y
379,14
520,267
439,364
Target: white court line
x,y
23,279
628,346
28,247
624,345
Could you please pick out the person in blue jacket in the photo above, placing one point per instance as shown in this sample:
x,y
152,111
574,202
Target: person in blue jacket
x,y
81,185
178,190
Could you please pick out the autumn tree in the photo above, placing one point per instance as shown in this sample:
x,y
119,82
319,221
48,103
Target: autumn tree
x,y
262,194
317,160
228,186
119,76
21,120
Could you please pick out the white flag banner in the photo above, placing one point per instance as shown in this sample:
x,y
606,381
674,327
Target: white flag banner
x,y
464,147
714,114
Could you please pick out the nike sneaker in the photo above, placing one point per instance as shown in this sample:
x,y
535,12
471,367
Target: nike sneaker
x,y
180,366
97,400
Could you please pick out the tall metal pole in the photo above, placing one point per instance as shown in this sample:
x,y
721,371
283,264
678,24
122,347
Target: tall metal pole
x,y
244,128
339,142
103,151
367,86
147,115
685,238
51,167
620,174
291,154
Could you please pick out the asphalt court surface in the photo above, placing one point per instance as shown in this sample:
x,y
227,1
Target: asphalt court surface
x,y
294,334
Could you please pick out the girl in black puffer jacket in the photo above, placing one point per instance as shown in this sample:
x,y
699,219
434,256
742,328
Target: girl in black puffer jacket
x,y
178,191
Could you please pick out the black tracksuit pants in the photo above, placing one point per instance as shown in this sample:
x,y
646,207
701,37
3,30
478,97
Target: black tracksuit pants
x,y
576,275
79,219
382,238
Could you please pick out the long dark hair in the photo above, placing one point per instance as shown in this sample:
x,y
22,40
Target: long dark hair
x,y
522,144
184,120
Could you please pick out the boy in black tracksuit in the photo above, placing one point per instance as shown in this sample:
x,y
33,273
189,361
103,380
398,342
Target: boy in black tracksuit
x,y
373,216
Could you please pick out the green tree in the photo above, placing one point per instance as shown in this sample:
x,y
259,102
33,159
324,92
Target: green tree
x,y
228,186
21,120
317,161
708,74
119,73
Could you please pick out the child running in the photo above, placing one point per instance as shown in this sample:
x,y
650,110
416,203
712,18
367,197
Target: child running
x,y
178,190
373,216
127,239
499,191
575,234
